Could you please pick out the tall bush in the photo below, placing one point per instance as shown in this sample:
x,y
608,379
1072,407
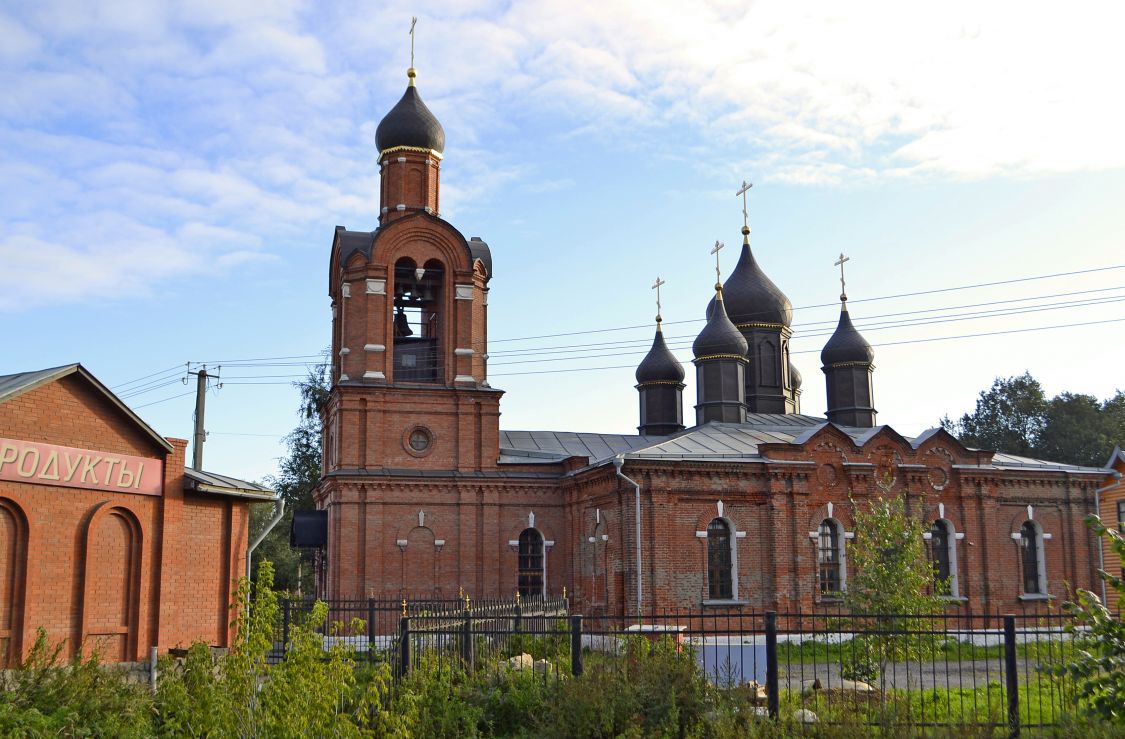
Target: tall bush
x,y
891,581
1098,661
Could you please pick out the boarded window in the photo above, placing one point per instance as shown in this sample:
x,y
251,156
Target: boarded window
x,y
531,563
720,585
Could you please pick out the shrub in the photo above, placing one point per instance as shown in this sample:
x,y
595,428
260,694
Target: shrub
x,y
43,697
1098,662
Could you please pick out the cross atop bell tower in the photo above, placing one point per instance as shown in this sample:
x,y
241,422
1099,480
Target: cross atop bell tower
x,y
410,142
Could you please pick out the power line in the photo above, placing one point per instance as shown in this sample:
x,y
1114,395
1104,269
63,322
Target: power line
x,y
825,305
812,351
161,372
161,379
677,342
163,400
831,321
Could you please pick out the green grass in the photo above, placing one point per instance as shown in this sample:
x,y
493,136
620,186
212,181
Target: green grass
x,y
1057,649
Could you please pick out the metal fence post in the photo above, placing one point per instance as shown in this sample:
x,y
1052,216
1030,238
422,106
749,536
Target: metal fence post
x,y
576,645
370,629
286,617
517,624
467,640
1011,675
404,646
773,699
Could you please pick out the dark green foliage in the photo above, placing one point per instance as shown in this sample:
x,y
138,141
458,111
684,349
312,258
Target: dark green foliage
x,y
892,575
1098,663
442,701
654,690
1009,417
1015,416
298,474
44,697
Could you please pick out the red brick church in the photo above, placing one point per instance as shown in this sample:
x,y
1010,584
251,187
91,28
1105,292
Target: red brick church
x,y
744,506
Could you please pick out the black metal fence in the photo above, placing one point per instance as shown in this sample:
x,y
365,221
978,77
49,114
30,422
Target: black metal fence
x,y
922,671
372,627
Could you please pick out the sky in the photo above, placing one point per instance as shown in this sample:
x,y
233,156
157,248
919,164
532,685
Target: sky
x,y
171,175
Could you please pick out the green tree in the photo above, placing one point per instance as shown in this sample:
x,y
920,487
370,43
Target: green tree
x,y
891,587
1098,661
1015,416
298,474
1009,417
1077,430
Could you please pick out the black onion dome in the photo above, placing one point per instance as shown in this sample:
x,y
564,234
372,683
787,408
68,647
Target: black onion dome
x,y
659,365
846,345
752,297
794,377
410,123
719,336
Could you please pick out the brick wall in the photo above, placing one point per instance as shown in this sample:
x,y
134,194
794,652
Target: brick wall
x,y
113,571
771,509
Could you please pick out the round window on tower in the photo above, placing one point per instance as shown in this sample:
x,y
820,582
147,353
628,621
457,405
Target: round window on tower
x,y
418,441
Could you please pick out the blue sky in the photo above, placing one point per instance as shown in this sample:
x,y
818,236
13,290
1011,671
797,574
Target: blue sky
x,y
171,174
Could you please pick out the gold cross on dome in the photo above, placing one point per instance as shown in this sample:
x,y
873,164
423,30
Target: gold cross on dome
x,y
719,246
413,22
840,263
745,211
656,286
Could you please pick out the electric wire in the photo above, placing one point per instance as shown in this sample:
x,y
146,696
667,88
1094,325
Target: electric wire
x,y
163,400
830,321
859,300
597,350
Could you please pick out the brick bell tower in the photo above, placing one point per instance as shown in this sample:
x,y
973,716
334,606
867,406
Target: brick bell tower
x,y
409,349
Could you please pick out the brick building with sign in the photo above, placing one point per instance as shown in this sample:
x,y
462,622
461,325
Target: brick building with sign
x,y
748,505
106,540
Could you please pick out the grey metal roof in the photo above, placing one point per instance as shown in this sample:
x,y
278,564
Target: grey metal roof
x,y
1001,460
530,447
211,482
22,382
719,442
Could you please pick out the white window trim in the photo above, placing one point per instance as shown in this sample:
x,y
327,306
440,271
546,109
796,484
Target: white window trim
x,y
842,538
1041,538
954,537
735,535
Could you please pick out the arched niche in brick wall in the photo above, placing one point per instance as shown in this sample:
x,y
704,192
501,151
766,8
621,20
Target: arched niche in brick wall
x,y
112,582
13,579
419,562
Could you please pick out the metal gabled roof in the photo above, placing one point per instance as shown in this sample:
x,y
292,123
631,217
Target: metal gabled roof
x,y
553,446
12,386
723,442
1003,461
212,482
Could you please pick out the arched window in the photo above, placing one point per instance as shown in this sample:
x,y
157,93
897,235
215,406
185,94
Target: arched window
x,y
830,558
944,556
720,584
417,319
1031,558
531,581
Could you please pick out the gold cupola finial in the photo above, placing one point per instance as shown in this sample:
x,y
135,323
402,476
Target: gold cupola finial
x,y
411,73
656,287
745,211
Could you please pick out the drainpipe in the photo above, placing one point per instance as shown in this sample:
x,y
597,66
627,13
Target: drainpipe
x,y
618,461
279,511
1098,511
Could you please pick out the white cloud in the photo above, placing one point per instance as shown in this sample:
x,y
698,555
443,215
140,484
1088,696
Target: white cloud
x,y
237,124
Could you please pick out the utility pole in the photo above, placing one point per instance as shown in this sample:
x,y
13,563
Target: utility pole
x,y
200,434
